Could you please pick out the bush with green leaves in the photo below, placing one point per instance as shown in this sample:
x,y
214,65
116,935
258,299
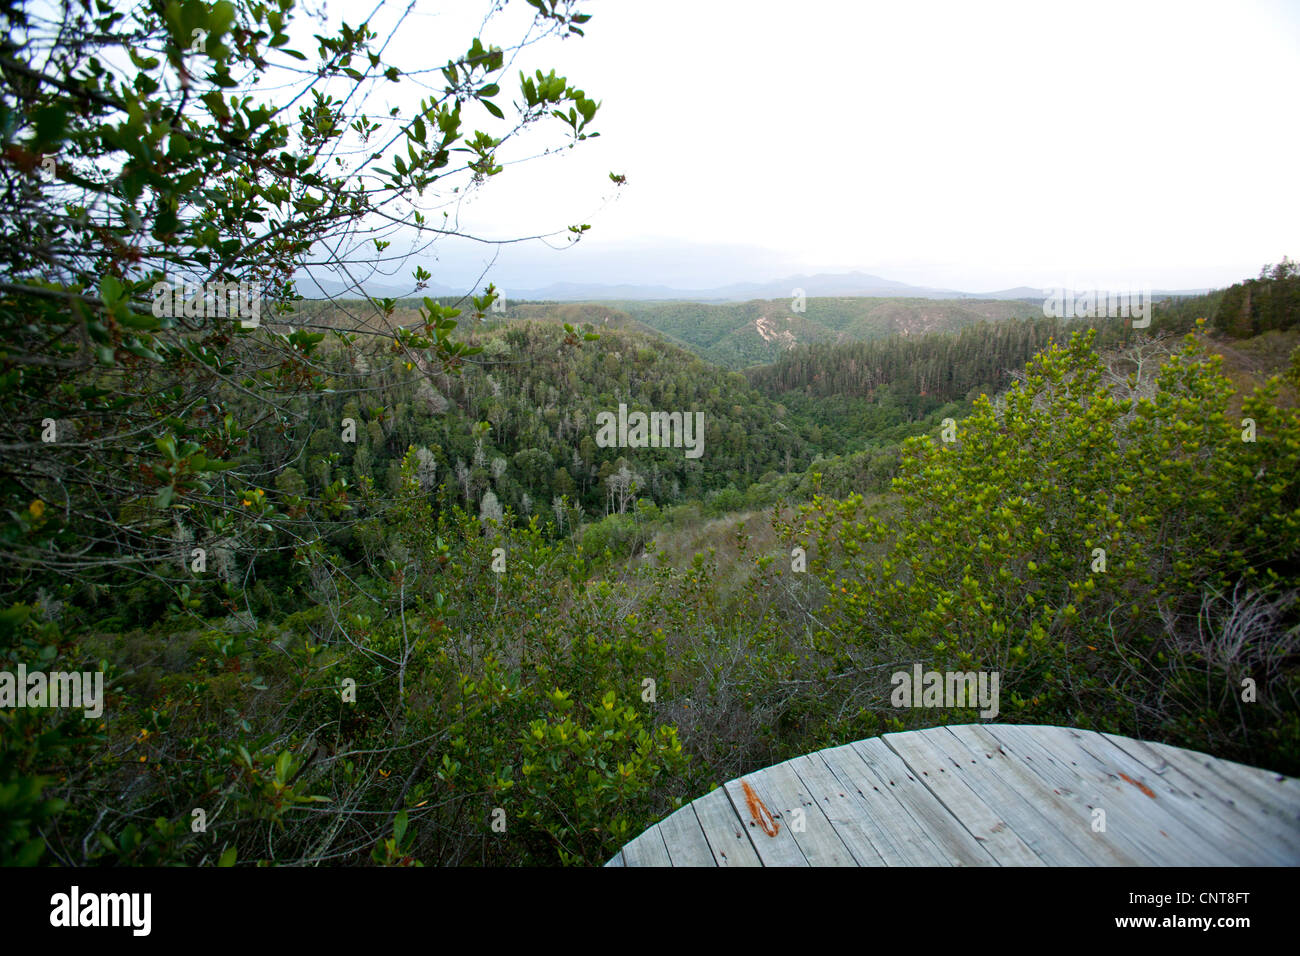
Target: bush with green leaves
x,y
459,673
1081,536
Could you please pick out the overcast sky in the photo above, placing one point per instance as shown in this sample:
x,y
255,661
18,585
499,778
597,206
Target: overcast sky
x,y
974,146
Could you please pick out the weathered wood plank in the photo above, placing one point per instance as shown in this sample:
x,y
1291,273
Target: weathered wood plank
x,y
648,849
1274,797
687,845
899,838
1031,820
986,794
812,830
1066,809
1085,795
953,839
943,777
1179,814
845,809
1286,788
1273,845
724,830
761,812
1128,812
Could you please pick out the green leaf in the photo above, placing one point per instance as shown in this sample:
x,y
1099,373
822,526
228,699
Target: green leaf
x,y
110,289
50,123
138,320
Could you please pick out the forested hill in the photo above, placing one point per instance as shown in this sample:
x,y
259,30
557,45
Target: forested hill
x,y
740,335
1255,306
749,335
921,372
518,421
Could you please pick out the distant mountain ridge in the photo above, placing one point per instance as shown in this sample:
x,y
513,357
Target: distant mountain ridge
x,y
822,284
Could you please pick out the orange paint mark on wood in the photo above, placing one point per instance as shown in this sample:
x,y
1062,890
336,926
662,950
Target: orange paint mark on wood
x,y
759,811
1141,786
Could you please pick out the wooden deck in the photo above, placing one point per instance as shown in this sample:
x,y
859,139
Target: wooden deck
x,y
987,795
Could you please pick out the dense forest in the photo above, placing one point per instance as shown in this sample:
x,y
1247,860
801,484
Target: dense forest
x,y
521,422
365,588
1256,306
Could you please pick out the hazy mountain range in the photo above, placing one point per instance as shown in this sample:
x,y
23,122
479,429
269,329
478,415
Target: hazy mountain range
x,y
821,284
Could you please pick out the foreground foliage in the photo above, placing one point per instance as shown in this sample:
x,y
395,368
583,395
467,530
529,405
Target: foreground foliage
x,y
1113,541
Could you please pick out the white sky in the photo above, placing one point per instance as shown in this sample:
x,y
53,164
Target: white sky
x,y
974,146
